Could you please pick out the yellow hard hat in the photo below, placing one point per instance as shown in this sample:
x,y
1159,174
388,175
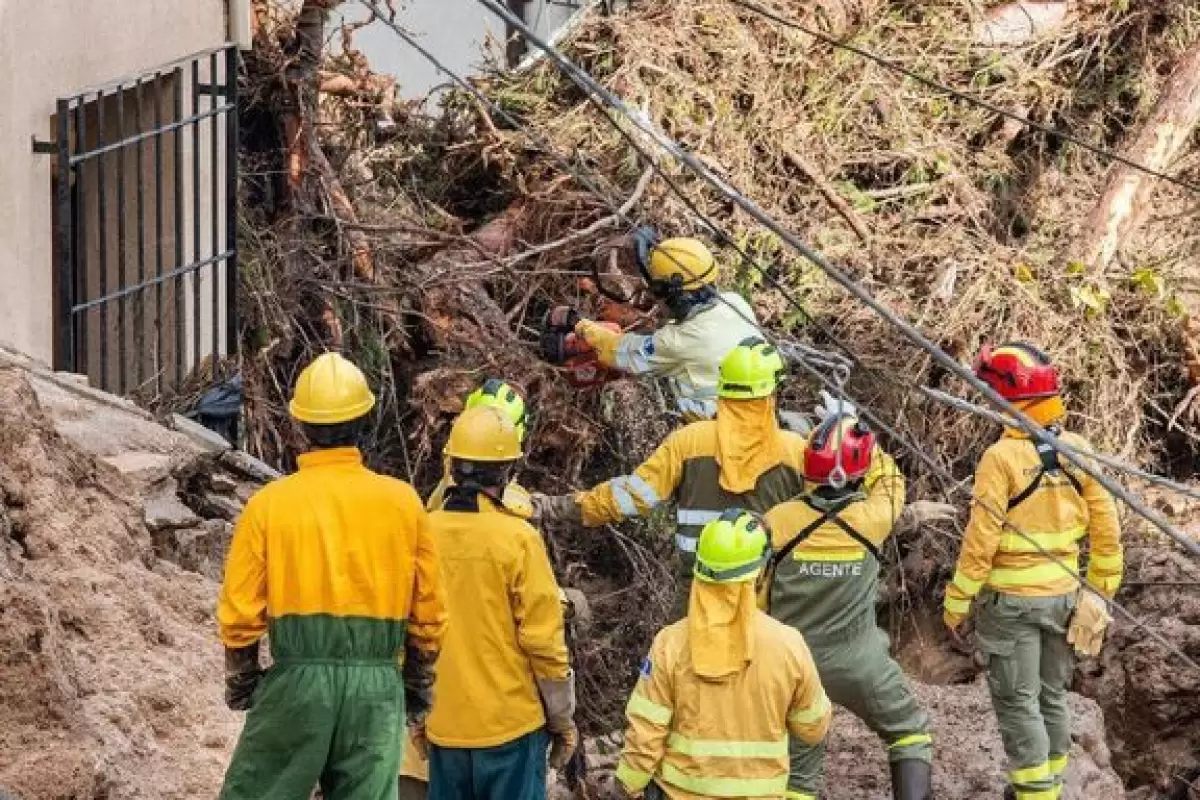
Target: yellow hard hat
x,y
507,398
733,548
688,259
483,433
752,369
331,390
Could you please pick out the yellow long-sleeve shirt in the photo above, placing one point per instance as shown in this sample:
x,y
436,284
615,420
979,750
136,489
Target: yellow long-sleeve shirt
x,y
729,738
333,559
507,628
1055,518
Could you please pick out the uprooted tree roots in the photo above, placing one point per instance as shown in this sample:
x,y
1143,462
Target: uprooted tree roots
x,y
429,247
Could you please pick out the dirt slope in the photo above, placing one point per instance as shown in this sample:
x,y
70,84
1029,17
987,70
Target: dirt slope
x,y
110,672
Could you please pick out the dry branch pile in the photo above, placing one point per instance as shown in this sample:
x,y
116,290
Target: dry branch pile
x,y
428,245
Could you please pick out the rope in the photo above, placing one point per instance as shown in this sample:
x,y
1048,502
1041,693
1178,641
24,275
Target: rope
x,y
601,96
802,352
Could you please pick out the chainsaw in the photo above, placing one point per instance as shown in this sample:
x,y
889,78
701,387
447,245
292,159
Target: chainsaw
x,y
563,347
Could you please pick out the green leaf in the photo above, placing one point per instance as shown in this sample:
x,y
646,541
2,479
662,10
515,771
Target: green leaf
x,y
1174,306
1148,280
1024,272
1076,268
1092,299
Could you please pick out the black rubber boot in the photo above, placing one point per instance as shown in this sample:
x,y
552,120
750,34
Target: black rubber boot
x,y
912,779
1010,793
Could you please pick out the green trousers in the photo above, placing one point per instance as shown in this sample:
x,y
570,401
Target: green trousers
x,y
1029,666
330,713
860,675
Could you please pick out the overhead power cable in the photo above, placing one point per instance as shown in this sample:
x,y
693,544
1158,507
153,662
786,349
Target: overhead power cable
x,y
802,354
924,80
602,97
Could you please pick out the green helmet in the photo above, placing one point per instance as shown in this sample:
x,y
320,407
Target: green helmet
x,y
498,394
752,369
732,548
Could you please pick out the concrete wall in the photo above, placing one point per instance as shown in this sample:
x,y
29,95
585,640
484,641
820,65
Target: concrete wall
x,y
53,48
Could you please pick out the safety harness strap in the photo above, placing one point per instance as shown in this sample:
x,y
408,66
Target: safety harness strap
x,y
1048,455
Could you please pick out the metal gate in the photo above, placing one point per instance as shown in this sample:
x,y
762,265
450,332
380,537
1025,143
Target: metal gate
x,y
146,227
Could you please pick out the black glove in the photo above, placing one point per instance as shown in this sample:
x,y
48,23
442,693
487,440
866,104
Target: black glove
x,y
418,674
242,675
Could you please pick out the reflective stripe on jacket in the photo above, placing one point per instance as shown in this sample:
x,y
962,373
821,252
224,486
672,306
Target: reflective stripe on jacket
x,y
688,353
506,629
685,469
829,581
337,561
727,738
1055,517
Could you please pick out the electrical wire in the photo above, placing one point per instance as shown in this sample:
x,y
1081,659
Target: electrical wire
x,y
600,96
900,69
802,353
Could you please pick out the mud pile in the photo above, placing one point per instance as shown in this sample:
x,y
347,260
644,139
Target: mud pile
x,y
110,670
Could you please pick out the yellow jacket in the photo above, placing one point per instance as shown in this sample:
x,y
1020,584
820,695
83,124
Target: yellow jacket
x,y
1055,516
700,738
687,353
507,630
703,467
337,561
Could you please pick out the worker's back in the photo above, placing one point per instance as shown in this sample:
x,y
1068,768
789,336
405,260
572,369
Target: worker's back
x,y
690,352
338,547
731,735
507,628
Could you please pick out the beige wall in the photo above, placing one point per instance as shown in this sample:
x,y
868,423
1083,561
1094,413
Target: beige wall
x,y
48,49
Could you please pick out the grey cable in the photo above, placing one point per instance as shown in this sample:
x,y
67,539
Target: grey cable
x,y
602,96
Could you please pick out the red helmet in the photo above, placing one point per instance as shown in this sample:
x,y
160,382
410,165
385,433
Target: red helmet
x,y
844,434
1018,371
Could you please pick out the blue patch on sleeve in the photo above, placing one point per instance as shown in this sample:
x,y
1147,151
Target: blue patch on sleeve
x,y
648,346
647,667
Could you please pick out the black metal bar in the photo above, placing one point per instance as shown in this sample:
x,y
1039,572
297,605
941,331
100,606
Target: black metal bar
x,y
170,65
139,300
155,281
102,242
214,161
210,88
231,203
80,265
158,232
158,131
180,342
196,231
122,272
64,233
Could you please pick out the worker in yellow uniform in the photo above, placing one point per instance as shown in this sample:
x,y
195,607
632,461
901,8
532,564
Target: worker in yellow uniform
x,y
414,768
824,583
1030,609
704,325
504,690
722,690
511,400
337,564
741,459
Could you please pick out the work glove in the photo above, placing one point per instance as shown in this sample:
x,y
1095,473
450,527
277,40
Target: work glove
x,y
922,512
555,508
418,739
242,676
558,700
418,674
830,405
796,422
1088,623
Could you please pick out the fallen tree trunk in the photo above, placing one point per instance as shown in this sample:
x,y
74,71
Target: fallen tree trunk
x,y
1127,199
